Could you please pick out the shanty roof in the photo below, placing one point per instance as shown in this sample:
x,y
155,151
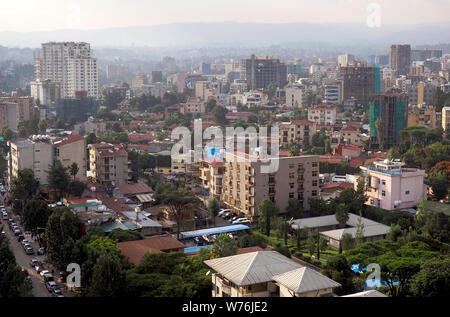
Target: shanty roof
x,y
371,293
305,280
252,268
146,198
135,189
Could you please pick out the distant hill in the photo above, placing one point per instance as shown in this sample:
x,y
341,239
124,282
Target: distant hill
x,y
233,34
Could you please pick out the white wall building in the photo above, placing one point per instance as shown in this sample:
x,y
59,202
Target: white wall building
x,y
72,64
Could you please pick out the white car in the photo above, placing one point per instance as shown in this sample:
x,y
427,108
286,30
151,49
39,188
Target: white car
x,y
241,220
222,211
44,272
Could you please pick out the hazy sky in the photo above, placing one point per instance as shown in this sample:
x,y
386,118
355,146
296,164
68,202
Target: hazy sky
x,y
38,15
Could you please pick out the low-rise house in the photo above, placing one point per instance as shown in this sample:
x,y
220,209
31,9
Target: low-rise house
x,y
148,226
370,234
305,282
390,186
255,275
135,250
134,191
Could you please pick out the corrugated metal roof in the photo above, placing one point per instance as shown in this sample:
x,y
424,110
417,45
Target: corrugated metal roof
x,y
217,230
305,280
252,268
330,220
369,231
145,198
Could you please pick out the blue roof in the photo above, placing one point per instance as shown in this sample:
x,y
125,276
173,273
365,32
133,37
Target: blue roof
x,y
217,230
197,249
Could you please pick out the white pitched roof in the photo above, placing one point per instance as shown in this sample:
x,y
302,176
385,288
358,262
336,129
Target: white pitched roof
x,y
330,220
305,280
372,293
252,268
369,231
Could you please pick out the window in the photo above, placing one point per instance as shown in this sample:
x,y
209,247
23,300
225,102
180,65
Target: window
x,y
291,195
372,202
314,193
314,174
407,192
383,193
383,182
291,175
314,183
314,164
291,185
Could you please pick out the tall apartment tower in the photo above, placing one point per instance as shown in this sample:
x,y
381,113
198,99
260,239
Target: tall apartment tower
x,y
400,59
391,109
359,81
72,64
261,71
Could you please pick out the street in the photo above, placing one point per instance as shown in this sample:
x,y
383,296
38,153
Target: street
x,y
23,260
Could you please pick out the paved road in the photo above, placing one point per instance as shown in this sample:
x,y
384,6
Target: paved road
x,y
23,260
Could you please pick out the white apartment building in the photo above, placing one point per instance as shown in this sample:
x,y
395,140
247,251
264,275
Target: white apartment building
x,y
35,153
345,59
332,94
70,63
295,96
322,114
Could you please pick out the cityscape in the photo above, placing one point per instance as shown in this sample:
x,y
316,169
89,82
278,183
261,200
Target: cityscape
x,y
191,158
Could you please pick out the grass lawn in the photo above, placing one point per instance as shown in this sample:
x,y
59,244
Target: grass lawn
x,y
436,207
274,241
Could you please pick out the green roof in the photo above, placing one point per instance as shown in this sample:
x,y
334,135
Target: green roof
x,y
130,225
117,225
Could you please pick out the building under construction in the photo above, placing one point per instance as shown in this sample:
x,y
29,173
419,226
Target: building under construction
x,y
391,109
359,81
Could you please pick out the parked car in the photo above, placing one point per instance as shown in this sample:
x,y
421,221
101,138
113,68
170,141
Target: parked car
x,y
43,272
241,220
226,214
41,251
20,237
48,278
24,242
17,232
3,233
26,245
50,286
34,262
39,268
222,211
29,251
57,293
199,241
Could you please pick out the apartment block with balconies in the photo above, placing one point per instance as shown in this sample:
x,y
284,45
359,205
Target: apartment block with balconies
x,y
245,185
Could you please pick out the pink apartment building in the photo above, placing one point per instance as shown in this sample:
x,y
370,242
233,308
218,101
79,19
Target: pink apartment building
x,y
390,186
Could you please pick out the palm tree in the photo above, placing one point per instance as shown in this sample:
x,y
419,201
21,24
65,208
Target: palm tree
x,y
73,170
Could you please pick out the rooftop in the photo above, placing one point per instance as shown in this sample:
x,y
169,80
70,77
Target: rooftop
x,y
253,268
67,140
135,250
305,280
135,189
